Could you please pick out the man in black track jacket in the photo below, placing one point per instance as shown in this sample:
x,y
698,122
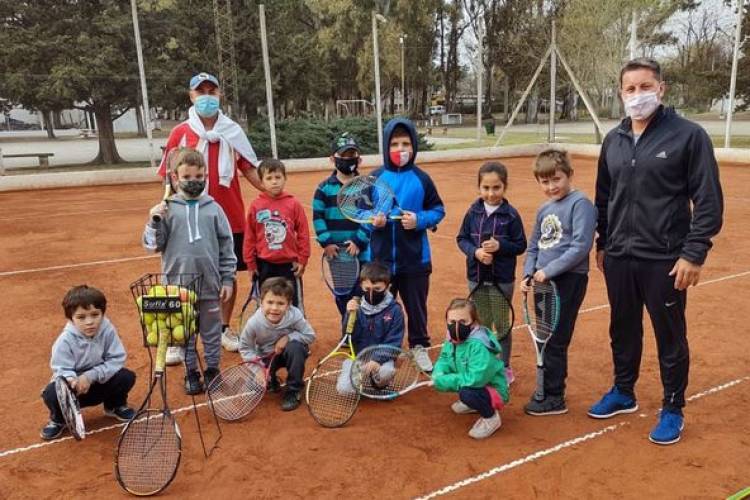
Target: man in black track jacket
x,y
651,243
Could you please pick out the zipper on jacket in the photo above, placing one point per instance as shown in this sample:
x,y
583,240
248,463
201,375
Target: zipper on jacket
x,y
631,181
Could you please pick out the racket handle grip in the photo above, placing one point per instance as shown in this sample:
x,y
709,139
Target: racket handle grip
x,y
156,218
351,320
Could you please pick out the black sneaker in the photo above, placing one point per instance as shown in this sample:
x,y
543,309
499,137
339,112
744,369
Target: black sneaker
x,y
550,405
193,384
274,385
122,413
52,430
291,401
209,375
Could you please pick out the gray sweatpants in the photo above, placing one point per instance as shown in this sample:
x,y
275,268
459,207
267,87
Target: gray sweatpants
x,y
507,343
210,333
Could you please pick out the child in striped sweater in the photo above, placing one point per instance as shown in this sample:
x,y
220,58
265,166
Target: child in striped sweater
x,y
335,233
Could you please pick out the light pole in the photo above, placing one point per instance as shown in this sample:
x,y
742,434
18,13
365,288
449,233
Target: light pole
x,y
142,74
403,87
267,73
733,78
378,106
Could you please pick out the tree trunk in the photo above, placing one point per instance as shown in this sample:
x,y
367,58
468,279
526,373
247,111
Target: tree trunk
x,y
107,148
614,111
532,106
506,99
48,125
57,119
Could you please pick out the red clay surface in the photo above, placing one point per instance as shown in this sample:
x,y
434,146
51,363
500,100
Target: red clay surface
x,y
405,448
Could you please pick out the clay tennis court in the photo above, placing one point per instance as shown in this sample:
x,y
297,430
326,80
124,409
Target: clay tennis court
x,y
410,447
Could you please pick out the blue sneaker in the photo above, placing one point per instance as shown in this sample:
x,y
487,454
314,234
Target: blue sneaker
x,y
669,428
613,403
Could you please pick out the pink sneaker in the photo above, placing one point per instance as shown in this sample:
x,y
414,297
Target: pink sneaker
x,y
509,377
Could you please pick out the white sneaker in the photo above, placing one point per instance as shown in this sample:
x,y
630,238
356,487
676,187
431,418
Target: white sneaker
x,y
460,408
422,357
485,427
229,340
175,355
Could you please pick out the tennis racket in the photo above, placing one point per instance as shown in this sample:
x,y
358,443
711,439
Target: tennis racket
x,y
541,308
493,307
238,390
70,408
386,372
150,446
365,197
300,295
331,399
340,272
167,182
249,307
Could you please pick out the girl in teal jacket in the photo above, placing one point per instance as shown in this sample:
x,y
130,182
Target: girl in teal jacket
x,y
469,365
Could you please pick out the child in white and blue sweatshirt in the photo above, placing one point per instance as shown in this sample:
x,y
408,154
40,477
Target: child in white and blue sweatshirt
x,y
90,355
559,251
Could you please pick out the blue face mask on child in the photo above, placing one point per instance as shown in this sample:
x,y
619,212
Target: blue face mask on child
x,y
206,105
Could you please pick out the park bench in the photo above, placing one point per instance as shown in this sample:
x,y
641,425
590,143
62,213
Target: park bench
x,y
43,157
88,132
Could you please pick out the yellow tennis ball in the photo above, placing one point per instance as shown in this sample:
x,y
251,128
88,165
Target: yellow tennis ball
x,y
174,319
152,339
173,291
178,334
139,302
158,291
149,318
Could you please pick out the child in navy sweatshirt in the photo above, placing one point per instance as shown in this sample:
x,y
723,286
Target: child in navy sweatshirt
x,y
492,237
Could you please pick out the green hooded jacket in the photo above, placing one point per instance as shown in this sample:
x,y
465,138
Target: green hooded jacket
x,y
472,363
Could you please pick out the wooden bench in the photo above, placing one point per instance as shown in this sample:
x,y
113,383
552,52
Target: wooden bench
x,y
88,132
43,157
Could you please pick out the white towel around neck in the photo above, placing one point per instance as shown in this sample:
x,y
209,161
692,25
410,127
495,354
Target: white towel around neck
x,y
231,138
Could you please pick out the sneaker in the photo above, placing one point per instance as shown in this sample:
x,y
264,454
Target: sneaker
x,y
509,377
460,408
175,355
669,428
485,427
230,340
52,430
613,403
122,413
550,405
274,386
291,401
422,357
209,375
193,384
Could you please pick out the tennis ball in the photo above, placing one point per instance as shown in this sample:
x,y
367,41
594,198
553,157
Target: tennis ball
x,y
174,319
187,312
173,290
158,291
149,318
178,334
193,297
139,302
152,339
161,325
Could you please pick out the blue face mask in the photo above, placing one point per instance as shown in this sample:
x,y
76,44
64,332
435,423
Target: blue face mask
x,y
206,105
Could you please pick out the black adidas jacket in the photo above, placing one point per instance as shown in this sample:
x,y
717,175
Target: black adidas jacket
x,y
644,191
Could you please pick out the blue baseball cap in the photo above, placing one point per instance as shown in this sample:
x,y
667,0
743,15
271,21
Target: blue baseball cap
x,y
203,77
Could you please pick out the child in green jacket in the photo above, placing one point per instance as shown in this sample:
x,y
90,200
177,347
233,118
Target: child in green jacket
x,y
469,365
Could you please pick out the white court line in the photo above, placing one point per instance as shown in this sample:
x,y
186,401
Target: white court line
x,y
533,457
81,264
199,405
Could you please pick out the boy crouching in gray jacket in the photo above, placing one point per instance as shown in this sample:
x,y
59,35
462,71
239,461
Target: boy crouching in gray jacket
x,y
279,328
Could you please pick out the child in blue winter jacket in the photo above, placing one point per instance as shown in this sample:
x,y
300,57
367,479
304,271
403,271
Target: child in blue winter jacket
x,y
90,355
492,237
402,244
380,320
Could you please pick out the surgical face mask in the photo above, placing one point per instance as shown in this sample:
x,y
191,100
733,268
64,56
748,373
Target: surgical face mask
x,y
399,158
193,189
206,105
375,297
346,166
458,331
641,106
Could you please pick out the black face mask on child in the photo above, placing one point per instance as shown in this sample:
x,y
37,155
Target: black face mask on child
x,y
375,297
458,331
346,166
192,188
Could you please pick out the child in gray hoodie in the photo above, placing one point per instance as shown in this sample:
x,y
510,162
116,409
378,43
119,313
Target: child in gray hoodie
x,y
193,235
90,355
278,328
559,251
